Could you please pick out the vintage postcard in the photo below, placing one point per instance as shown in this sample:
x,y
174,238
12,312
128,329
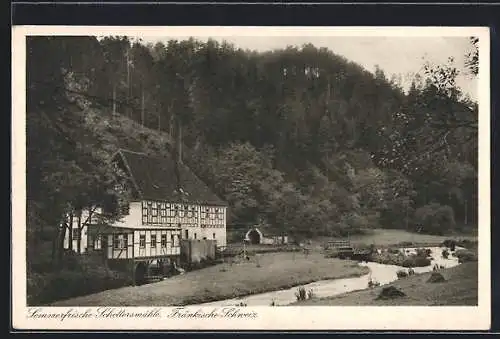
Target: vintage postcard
x,y
250,178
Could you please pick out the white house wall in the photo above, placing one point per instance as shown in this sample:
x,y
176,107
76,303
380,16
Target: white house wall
x,y
200,221
172,246
158,213
134,217
123,252
213,224
195,221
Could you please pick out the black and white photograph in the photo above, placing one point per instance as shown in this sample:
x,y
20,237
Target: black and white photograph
x,y
220,172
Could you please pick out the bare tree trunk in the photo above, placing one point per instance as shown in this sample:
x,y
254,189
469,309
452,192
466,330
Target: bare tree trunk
x,y
59,241
62,235
171,124
407,207
142,108
79,233
179,142
129,114
114,98
159,121
70,230
465,212
81,225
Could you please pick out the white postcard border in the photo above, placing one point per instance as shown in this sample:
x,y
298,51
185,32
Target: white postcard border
x,y
268,318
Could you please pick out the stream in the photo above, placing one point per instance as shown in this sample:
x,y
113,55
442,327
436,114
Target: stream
x,y
382,273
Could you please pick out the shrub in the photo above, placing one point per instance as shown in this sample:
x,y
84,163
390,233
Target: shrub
x,y
466,243
465,256
401,274
310,294
36,284
78,275
351,223
66,284
416,261
445,254
393,251
387,258
435,218
301,293
449,243
436,277
424,252
390,292
373,283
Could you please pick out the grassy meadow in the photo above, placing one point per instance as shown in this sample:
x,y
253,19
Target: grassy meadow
x,y
234,278
460,288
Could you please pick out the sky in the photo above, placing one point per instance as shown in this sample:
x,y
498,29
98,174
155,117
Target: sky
x,y
395,55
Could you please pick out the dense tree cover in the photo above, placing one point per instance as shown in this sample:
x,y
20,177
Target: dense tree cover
x,y
300,138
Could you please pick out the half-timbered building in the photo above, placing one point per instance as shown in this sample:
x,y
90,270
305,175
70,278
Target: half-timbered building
x,y
169,204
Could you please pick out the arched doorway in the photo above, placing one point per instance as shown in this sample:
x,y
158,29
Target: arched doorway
x,y
254,236
141,270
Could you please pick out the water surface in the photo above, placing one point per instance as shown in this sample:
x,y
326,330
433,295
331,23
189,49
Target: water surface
x,y
382,273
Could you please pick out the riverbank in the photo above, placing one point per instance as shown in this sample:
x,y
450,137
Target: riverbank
x,y
391,238
262,273
402,238
460,288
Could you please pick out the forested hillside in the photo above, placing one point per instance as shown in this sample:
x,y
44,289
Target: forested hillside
x,y
300,139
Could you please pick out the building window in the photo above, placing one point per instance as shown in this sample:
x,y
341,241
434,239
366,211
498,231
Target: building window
x,y
150,212
142,241
213,235
186,233
96,241
163,240
125,209
195,235
76,234
153,240
193,212
176,211
119,241
172,238
204,213
183,211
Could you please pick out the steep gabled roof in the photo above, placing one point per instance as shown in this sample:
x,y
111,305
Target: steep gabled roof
x,y
155,178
